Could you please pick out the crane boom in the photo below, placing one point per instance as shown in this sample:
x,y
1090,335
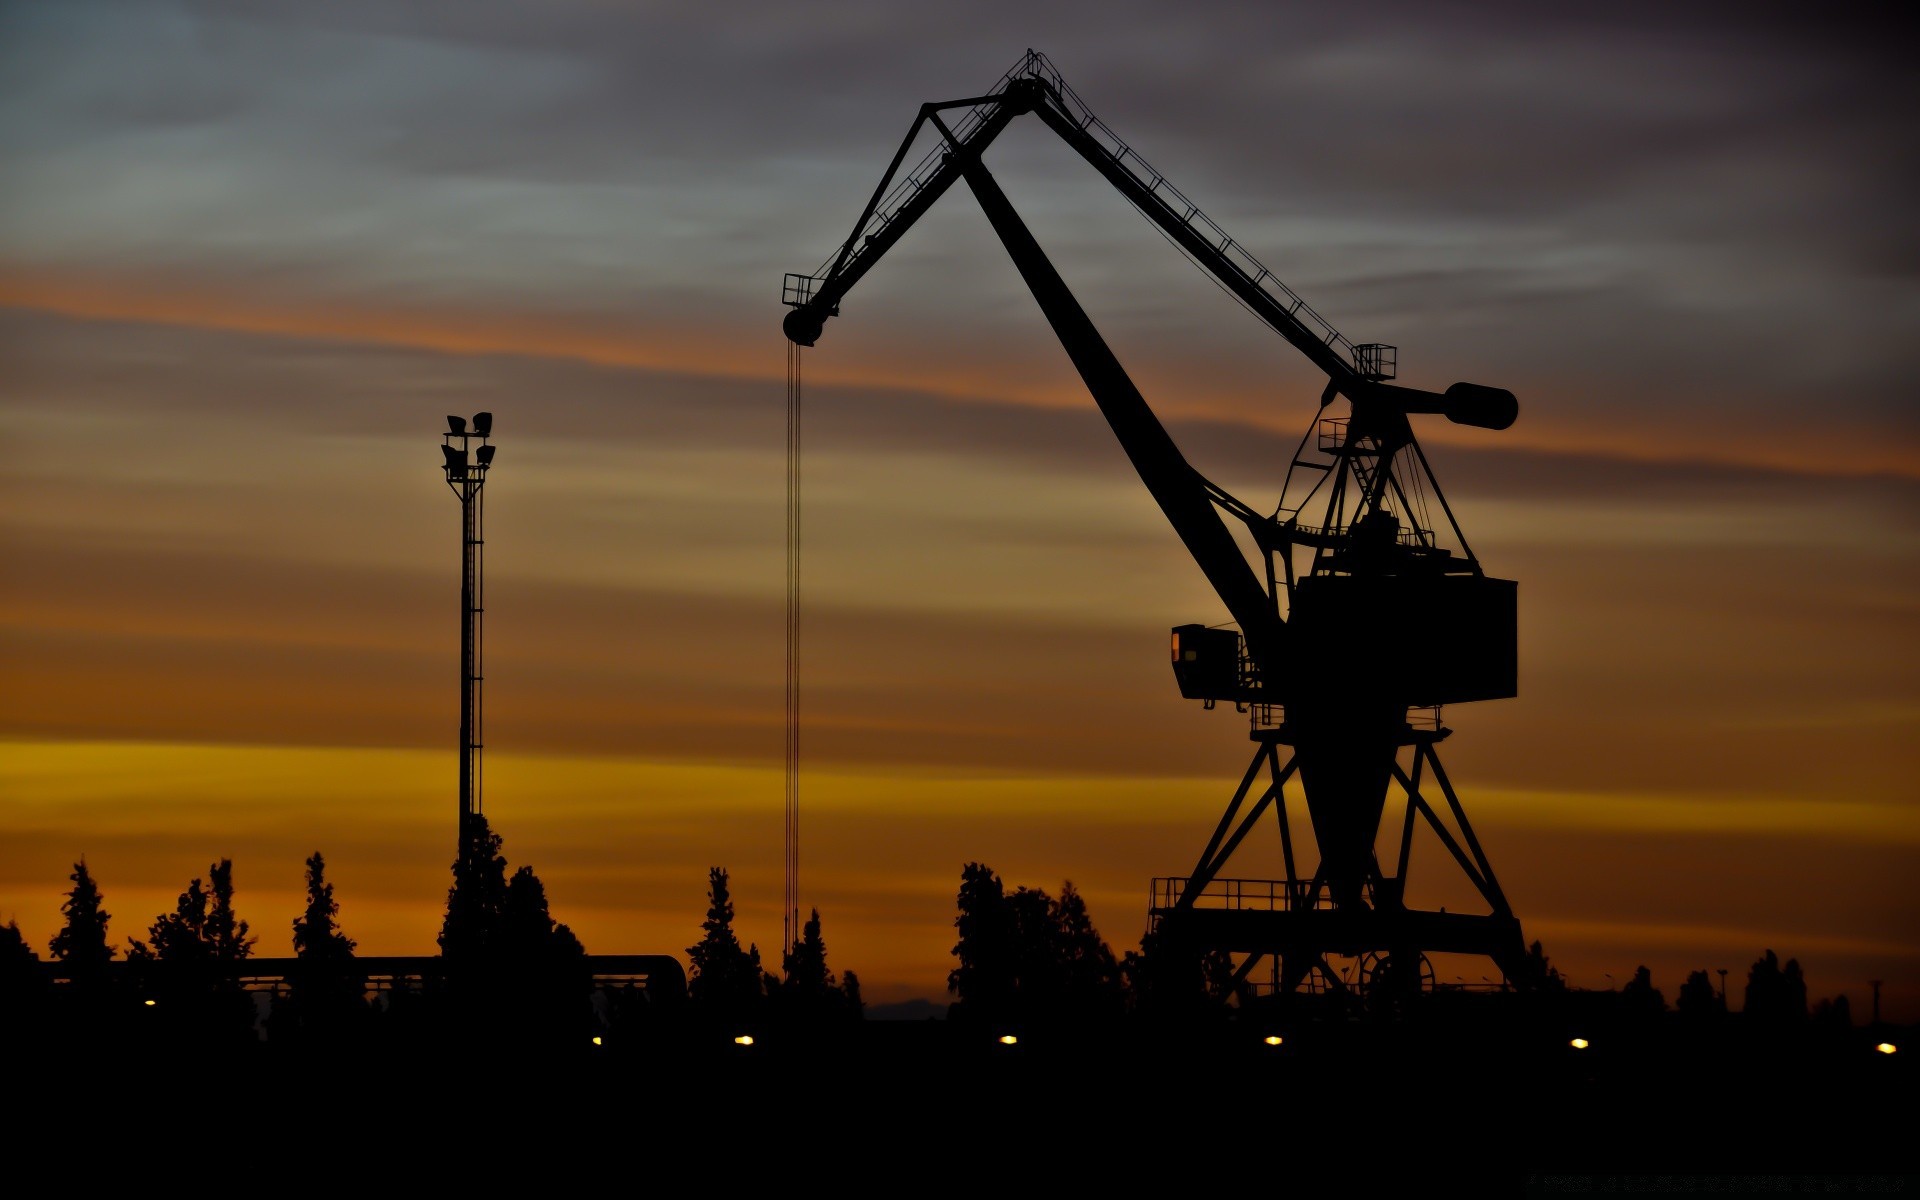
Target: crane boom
x,y
1337,676
1182,493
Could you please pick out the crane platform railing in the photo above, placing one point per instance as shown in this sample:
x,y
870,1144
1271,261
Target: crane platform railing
x,y
1250,895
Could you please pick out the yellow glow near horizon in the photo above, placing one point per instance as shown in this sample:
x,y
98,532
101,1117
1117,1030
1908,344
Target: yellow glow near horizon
x,y
623,845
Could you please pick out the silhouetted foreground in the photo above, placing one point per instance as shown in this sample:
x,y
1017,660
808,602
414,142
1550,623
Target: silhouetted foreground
x,y
1478,1096
521,1061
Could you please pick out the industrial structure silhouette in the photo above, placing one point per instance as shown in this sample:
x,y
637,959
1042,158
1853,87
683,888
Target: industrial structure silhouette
x,y
1368,610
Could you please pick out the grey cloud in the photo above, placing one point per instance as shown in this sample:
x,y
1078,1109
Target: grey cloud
x,y
1683,208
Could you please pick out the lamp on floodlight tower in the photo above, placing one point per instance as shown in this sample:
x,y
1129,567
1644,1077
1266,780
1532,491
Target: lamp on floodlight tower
x,y
466,466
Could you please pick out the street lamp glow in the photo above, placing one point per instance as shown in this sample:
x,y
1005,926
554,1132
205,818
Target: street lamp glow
x,y
1007,1039
149,1004
596,1040
1273,1039
1578,1043
745,1039
1883,1047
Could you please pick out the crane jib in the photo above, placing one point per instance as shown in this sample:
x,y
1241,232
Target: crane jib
x,y
1191,504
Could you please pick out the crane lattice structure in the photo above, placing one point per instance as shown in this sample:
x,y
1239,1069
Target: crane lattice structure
x,y
1364,613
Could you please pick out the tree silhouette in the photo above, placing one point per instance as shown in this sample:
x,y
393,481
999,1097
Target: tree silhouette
x,y
1091,978
478,897
24,1005
983,982
1538,974
513,972
807,979
22,983
1775,994
1027,956
1640,996
316,932
1834,1014
82,942
543,967
327,994
191,957
1697,998
179,938
528,932
226,934
726,980
810,992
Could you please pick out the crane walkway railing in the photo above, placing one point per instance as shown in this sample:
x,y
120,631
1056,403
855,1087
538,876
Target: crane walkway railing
x,y
1231,254
1152,187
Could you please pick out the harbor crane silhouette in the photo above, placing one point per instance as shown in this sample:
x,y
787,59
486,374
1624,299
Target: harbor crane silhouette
x,y
1367,610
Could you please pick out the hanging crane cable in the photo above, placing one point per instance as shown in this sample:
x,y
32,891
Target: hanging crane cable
x,y
790,915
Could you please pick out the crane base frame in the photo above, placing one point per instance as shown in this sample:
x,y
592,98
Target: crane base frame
x,y
1295,920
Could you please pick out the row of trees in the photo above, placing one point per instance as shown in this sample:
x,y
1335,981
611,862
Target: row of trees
x,y
1021,956
1775,994
728,983
507,964
1025,956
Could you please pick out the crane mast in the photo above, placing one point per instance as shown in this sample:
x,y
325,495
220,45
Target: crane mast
x,y
1360,623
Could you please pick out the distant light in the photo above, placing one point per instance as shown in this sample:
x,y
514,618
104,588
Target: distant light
x,y
1007,1039
149,1004
596,1041
1578,1043
483,424
485,454
1883,1047
745,1039
456,425
1273,1039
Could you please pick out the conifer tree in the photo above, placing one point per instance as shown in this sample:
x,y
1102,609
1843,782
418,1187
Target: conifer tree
x,y
227,935
478,897
21,980
811,991
82,942
179,938
983,982
327,993
316,931
726,979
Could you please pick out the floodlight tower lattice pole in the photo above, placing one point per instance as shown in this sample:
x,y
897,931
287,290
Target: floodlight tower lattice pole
x,y
466,470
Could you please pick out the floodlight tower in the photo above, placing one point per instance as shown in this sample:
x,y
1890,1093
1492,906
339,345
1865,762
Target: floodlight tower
x,y
466,467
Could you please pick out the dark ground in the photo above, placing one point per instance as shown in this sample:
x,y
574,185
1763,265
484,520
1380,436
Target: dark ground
x,y
1496,1106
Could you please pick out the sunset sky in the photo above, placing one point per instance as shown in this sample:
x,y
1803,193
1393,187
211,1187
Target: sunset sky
x,y
251,254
